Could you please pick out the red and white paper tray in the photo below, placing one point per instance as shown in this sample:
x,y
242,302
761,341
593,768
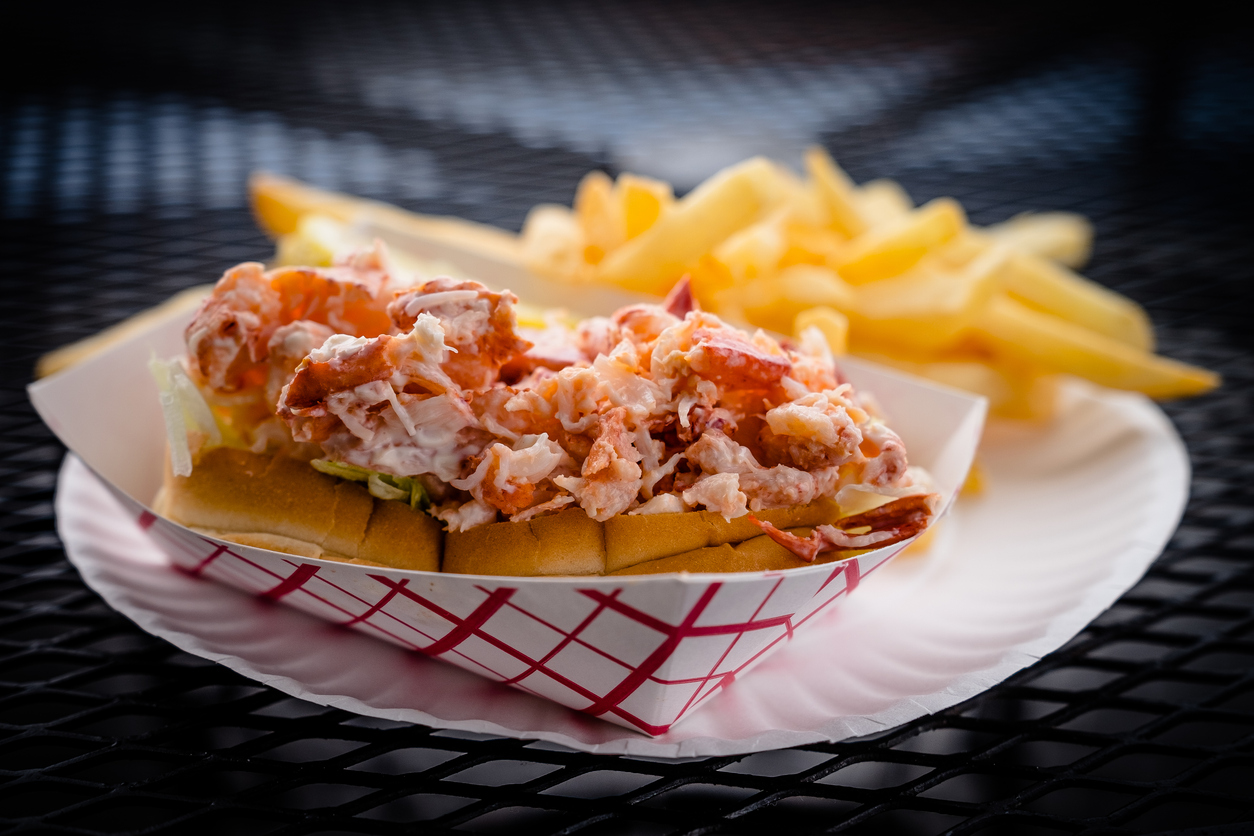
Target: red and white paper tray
x,y
640,651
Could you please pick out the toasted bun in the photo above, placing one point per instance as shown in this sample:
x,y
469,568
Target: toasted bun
x,y
571,543
278,503
756,554
282,504
566,543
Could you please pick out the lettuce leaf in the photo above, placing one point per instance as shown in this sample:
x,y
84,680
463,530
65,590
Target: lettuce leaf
x,y
185,412
383,485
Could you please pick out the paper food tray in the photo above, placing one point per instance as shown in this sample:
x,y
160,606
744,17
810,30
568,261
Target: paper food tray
x,y
640,651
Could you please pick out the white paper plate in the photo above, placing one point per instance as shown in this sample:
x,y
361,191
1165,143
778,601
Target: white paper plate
x,y
1072,516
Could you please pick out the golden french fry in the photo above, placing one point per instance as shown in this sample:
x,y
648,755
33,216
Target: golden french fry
x,y
1064,237
961,250
1052,288
832,324
755,250
774,302
279,203
553,242
925,309
1014,329
643,200
709,277
883,201
812,245
838,191
723,204
600,216
975,481
1014,389
890,250
317,240
803,200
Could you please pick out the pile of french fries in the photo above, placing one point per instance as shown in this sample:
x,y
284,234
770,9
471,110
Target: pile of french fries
x,y
999,310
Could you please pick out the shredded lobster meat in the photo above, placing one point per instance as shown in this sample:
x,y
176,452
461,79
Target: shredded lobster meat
x,y
655,408
890,523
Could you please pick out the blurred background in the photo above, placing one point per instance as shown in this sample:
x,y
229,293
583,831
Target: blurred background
x,y
126,137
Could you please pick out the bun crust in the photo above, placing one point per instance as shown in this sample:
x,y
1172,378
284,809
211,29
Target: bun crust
x,y
278,503
571,543
282,504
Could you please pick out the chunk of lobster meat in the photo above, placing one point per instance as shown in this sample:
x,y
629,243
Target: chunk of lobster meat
x,y
506,478
229,336
349,300
552,348
886,455
891,523
463,516
719,494
314,381
680,301
726,357
343,363
597,335
289,345
479,325
779,487
610,478
703,419
813,365
814,431
715,453
642,324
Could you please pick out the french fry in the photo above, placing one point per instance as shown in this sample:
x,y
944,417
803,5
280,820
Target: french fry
x,y
755,250
961,250
890,250
883,201
600,216
808,244
709,278
832,324
553,242
994,310
1052,288
723,204
838,192
1064,237
774,302
1015,330
803,201
643,200
925,309
316,241
279,202
1015,390
976,480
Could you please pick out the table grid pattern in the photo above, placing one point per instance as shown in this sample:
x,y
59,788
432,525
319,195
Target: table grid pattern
x,y
121,172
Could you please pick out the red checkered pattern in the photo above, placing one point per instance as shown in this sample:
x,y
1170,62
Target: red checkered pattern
x,y
641,652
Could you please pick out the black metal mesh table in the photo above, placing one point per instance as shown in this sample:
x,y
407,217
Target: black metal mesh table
x,y
124,143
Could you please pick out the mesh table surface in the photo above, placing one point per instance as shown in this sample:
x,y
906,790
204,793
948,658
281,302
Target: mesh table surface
x,y
123,153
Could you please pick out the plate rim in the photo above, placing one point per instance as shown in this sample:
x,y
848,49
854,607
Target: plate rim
x,y
1128,565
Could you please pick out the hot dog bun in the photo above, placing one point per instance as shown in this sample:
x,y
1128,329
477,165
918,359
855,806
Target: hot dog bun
x,y
279,503
283,504
571,543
